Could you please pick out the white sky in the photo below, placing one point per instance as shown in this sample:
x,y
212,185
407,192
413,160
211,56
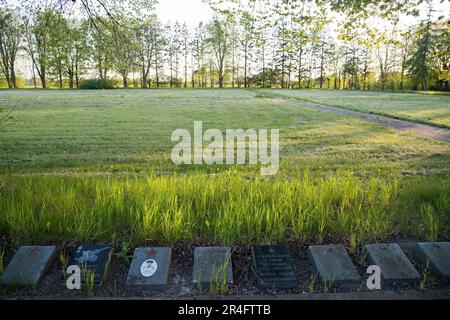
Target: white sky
x,y
190,11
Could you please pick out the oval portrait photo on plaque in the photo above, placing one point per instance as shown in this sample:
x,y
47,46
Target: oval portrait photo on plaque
x,y
148,268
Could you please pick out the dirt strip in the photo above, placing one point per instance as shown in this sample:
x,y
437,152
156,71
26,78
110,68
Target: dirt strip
x,y
422,130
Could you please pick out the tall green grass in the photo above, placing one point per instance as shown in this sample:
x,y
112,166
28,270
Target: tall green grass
x,y
229,208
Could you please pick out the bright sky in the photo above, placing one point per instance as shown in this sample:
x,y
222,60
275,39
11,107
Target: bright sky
x,y
190,11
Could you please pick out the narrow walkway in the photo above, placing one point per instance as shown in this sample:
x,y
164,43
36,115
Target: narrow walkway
x,y
422,130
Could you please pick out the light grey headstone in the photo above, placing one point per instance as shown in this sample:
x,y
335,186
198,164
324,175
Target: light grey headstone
x,y
333,265
212,265
438,256
393,262
29,265
150,268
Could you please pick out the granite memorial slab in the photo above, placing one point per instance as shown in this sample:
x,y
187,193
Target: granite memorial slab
x,y
212,265
333,265
437,254
28,265
150,268
92,259
393,262
274,267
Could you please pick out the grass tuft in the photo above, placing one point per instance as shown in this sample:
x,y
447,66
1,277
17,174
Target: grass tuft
x,y
431,222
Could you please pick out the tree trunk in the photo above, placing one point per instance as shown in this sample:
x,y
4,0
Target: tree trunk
x,y
156,70
424,84
144,78
263,68
322,57
60,78
71,80
145,82
185,68
299,76
13,76
245,66
77,80
7,76
125,81
33,74
43,79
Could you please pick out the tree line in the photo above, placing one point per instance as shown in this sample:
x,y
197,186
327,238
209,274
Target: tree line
x,y
345,44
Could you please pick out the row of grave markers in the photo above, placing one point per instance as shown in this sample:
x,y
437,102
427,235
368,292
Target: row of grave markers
x,y
273,265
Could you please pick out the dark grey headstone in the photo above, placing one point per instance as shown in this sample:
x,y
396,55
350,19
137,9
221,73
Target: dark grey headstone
x,y
333,265
212,265
150,268
394,264
29,265
91,259
438,255
274,267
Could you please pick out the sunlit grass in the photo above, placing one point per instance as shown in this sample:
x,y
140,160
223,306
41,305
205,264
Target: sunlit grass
x,y
227,209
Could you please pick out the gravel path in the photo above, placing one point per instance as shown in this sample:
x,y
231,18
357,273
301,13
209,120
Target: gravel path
x,y
422,130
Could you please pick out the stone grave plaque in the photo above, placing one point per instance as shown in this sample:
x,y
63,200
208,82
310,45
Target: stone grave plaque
x,y
150,268
393,262
274,267
437,255
333,265
29,265
212,265
91,259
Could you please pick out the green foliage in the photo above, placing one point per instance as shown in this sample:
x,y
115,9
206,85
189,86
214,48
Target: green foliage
x,y
430,222
124,253
430,54
418,63
219,39
11,32
279,44
312,283
93,84
64,260
3,83
219,278
428,279
88,277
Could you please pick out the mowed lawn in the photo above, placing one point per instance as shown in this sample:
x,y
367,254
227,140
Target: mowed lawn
x,y
130,130
425,107
95,166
